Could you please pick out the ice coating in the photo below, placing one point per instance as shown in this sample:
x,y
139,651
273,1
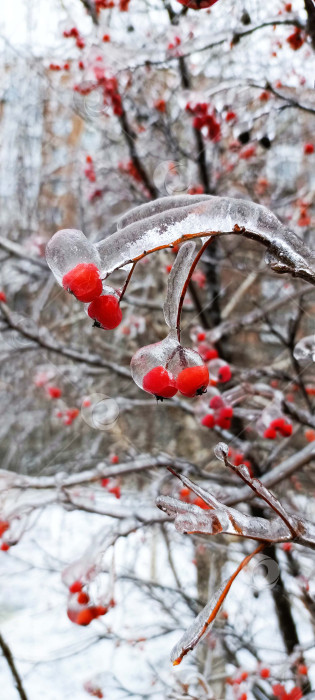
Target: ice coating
x,y
176,281
304,350
68,248
221,451
200,627
167,353
172,220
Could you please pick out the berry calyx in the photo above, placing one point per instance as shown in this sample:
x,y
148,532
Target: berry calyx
x,y
193,381
160,383
105,311
84,282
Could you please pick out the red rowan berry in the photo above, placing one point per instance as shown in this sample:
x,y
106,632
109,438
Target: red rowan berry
x,y
230,116
201,337
286,546
76,587
208,421
105,310
216,402
224,374
85,617
193,381
3,296
5,547
270,434
54,392
308,149
184,494
201,503
83,598
106,38
264,673
160,383
115,490
302,669
114,459
310,435
84,282
224,418
4,525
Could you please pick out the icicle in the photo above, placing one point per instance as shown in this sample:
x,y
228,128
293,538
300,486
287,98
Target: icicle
x,y
176,281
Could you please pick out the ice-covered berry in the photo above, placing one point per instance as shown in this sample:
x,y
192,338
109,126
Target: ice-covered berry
x,y
84,282
160,382
193,381
105,311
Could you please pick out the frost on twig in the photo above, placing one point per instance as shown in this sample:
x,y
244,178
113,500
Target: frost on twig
x,y
172,220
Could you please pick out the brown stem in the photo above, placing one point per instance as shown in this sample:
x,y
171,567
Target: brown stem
x,y
131,271
8,656
184,290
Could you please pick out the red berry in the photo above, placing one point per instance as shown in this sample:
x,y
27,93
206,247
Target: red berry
x,y
84,282
270,434
224,418
114,459
201,503
286,546
76,587
201,337
184,494
4,525
302,669
106,38
54,392
193,381
83,598
224,374
308,149
85,617
216,402
160,383
106,311
5,546
115,490
265,673
3,296
208,421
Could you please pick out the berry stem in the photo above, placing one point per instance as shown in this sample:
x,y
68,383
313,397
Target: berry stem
x,y
123,291
184,290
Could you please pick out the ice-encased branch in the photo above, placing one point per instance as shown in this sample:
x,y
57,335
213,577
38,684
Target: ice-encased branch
x,y
223,519
171,220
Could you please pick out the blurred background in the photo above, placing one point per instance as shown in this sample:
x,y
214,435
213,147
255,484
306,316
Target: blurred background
x,y
105,105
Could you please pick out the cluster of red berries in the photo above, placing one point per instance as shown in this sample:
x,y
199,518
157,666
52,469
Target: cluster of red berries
x,y
296,39
111,486
197,4
278,425
68,415
130,169
203,117
109,4
191,381
4,526
221,414
84,282
79,610
75,34
109,87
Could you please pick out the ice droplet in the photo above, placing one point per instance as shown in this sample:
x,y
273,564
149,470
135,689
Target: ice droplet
x,y
221,451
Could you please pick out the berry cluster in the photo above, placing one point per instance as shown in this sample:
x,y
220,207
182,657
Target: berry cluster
x,y
278,425
204,118
75,34
80,610
108,86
